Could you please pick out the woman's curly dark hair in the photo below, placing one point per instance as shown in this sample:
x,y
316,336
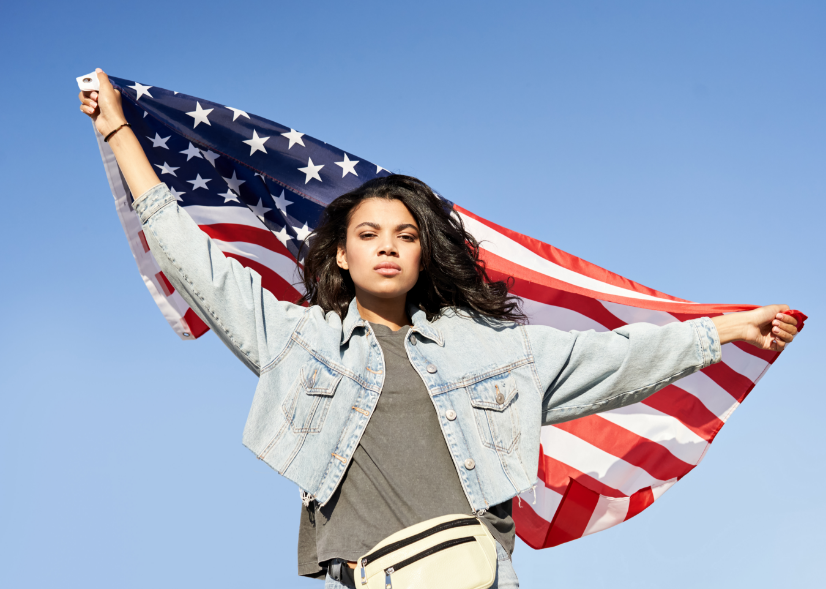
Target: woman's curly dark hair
x,y
453,274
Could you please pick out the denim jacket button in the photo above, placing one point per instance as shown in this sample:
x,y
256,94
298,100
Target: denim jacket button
x,y
470,464
500,398
431,368
413,340
450,414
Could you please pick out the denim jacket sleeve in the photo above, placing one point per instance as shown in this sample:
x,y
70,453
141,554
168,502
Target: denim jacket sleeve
x,y
225,294
582,373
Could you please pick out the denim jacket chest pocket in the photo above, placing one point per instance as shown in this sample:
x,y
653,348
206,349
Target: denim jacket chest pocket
x,y
305,407
495,412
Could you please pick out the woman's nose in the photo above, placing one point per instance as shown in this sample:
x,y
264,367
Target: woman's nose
x,y
388,248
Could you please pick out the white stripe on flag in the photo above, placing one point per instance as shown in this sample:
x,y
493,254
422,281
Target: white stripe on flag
x,y
606,468
505,247
204,215
710,394
608,512
547,500
749,366
558,317
658,491
667,431
280,264
630,314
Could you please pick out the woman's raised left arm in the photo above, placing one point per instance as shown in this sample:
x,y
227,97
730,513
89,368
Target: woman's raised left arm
x,y
582,373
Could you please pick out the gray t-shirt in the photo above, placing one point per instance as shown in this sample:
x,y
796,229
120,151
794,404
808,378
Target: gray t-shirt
x,y
401,474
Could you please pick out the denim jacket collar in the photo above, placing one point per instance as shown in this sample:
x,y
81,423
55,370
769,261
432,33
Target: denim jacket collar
x,y
419,318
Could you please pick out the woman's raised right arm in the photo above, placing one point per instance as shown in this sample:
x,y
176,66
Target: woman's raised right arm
x,y
226,295
105,110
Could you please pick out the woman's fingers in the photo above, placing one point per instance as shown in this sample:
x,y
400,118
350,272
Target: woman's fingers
x,y
786,319
785,323
88,102
780,334
784,327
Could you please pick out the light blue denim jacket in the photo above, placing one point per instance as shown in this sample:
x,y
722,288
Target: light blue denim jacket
x,y
493,383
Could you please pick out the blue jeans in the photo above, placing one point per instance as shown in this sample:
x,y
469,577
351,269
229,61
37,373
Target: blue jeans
x,y
505,575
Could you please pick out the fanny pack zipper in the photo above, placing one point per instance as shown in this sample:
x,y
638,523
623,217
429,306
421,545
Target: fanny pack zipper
x,y
425,553
384,551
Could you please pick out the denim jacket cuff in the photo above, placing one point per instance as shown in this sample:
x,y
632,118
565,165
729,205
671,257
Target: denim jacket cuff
x,y
708,339
151,201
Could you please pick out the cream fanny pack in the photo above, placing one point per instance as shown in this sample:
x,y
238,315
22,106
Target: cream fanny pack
x,y
448,552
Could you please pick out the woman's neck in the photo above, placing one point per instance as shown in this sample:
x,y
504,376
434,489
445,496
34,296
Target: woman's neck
x,y
388,312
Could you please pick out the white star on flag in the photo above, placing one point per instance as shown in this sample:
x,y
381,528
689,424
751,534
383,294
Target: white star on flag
x,y
159,141
237,112
200,115
311,171
379,169
259,210
176,194
283,236
199,182
211,156
282,203
192,152
294,137
167,169
347,166
234,183
141,90
302,232
229,195
256,143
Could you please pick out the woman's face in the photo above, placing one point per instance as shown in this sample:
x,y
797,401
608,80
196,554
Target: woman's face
x,y
382,252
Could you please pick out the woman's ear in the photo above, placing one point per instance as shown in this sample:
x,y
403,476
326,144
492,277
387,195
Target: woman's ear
x,y
341,259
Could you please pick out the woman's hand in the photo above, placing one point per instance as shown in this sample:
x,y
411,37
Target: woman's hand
x,y
104,107
768,328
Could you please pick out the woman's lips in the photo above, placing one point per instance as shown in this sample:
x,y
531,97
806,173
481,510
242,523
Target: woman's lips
x,y
388,269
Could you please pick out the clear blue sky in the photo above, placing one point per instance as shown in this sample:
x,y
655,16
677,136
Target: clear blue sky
x,y
680,144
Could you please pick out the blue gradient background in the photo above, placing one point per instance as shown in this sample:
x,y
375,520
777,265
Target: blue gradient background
x,y
680,144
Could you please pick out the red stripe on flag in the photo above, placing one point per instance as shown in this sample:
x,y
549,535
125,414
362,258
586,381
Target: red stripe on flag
x,y
166,286
639,501
636,450
556,475
549,295
504,267
573,514
270,279
193,324
566,260
144,243
232,232
674,401
533,528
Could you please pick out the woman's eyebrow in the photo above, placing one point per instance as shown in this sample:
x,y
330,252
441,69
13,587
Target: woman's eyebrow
x,y
369,224
376,226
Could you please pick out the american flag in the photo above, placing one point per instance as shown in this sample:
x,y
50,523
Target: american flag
x,y
257,188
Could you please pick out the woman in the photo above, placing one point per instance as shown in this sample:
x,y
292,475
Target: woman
x,y
408,388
